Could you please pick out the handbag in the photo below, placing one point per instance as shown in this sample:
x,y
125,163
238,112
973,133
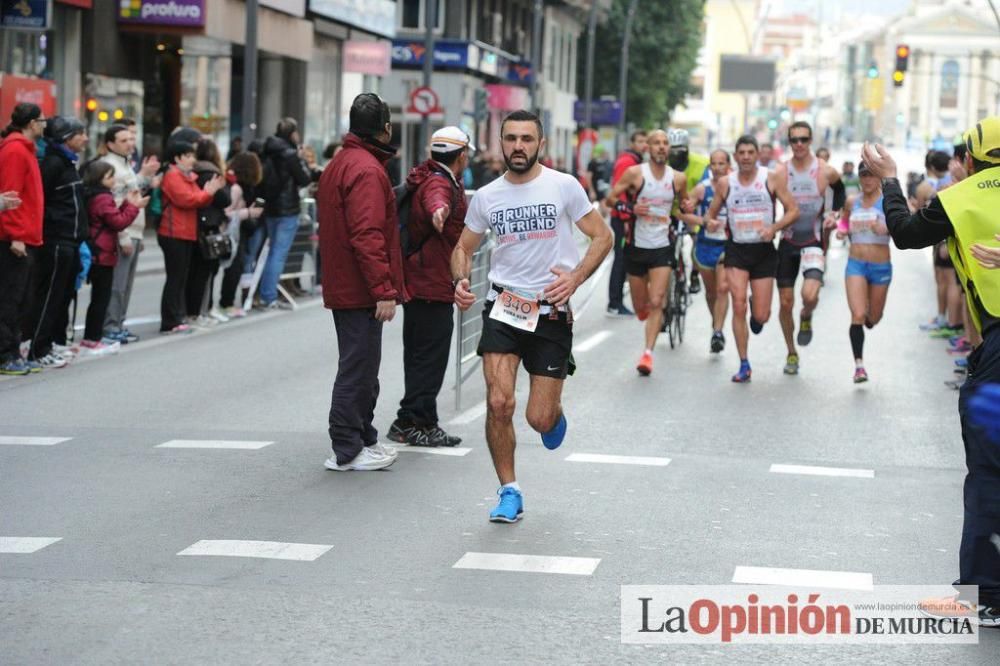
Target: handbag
x,y
215,245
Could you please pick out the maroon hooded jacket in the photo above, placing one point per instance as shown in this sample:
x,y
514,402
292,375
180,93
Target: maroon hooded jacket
x,y
358,230
106,221
428,271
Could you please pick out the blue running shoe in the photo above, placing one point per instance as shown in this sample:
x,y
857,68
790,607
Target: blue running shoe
x,y
962,362
553,438
510,508
756,326
743,376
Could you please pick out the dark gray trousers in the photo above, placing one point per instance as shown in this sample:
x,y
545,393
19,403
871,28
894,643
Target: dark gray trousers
x,y
355,390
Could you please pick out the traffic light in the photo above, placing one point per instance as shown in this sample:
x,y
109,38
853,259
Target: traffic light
x,y
902,60
873,71
482,112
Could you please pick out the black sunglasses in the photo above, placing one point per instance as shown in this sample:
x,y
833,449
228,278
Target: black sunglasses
x,y
800,139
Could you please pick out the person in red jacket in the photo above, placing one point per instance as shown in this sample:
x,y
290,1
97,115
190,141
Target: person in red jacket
x,y
20,227
178,230
629,158
106,221
435,222
362,266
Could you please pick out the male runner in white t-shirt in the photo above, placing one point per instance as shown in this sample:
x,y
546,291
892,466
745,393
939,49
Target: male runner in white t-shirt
x,y
535,269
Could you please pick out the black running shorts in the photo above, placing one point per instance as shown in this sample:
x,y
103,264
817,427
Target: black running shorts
x,y
638,260
760,260
546,352
789,262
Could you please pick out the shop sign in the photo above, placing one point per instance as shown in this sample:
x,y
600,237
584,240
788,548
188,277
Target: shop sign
x,y
376,16
447,55
373,58
17,89
82,4
505,98
519,72
26,14
293,7
602,111
180,13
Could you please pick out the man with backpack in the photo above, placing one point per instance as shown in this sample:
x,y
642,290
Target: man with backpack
x,y
362,279
431,209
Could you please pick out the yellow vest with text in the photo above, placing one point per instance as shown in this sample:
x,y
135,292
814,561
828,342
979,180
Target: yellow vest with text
x,y
973,206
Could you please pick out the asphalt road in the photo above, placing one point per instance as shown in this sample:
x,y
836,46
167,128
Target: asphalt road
x,y
370,574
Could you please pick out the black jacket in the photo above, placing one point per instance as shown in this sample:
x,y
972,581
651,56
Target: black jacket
x,y
212,217
284,174
65,217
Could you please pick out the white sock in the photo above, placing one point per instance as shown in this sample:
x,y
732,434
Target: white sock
x,y
512,484
858,363
649,351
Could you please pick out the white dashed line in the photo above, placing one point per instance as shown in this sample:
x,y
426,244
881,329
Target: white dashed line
x,y
13,440
591,342
811,470
576,566
212,444
436,450
469,415
271,550
618,460
844,580
25,545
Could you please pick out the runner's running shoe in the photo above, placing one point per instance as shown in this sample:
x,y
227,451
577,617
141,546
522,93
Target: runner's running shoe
x,y
805,335
553,438
645,366
953,607
694,284
860,376
743,375
945,333
756,326
510,508
718,342
792,364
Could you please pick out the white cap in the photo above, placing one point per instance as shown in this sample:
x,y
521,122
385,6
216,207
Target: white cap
x,y
449,139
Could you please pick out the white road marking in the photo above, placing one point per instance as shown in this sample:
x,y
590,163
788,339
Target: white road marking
x,y
13,440
436,450
617,460
469,415
844,580
25,545
823,471
271,550
591,342
577,566
212,444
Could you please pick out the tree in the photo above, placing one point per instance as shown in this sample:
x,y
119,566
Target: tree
x,y
666,35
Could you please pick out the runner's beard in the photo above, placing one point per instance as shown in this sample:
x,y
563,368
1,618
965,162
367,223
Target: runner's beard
x,y
521,169
658,160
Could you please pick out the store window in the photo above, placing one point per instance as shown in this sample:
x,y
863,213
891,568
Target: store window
x,y
412,12
26,53
206,88
109,101
322,94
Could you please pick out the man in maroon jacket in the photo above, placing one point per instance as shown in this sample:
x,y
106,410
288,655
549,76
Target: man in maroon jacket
x,y
362,279
434,223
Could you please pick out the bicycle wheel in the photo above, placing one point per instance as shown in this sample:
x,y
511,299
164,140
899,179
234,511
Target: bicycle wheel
x,y
668,314
679,308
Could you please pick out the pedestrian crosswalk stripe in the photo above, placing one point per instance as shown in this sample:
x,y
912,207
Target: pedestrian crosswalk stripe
x,y
812,470
618,460
271,550
577,566
469,415
14,440
212,444
844,580
436,450
591,342
25,545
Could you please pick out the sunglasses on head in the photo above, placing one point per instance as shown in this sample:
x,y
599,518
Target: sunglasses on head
x,y
800,139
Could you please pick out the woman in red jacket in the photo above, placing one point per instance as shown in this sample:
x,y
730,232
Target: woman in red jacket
x,y
106,221
178,230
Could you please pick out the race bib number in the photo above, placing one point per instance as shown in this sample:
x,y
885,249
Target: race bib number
x,y
863,221
658,214
747,227
517,310
719,235
812,259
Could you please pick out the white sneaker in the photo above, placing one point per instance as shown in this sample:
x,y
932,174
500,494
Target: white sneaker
x,y
218,316
88,348
205,321
52,360
66,351
366,461
384,449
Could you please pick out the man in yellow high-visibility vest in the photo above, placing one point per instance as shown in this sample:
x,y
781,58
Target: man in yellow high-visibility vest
x,y
967,215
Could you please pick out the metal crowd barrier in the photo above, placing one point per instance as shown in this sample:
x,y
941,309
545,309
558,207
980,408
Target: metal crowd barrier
x,y
302,260
470,322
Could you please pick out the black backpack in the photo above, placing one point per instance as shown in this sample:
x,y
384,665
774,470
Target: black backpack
x,y
404,201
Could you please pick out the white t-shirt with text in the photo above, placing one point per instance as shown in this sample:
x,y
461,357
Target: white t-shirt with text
x,y
533,223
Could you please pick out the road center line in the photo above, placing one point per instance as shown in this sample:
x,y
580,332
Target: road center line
x,y
436,450
592,341
618,460
271,550
577,566
469,415
25,545
13,440
812,470
844,580
212,444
